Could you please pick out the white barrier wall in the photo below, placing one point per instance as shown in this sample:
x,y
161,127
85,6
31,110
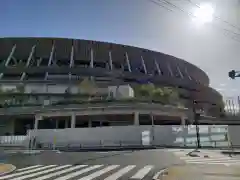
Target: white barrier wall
x,y
234,135
12,140
129,135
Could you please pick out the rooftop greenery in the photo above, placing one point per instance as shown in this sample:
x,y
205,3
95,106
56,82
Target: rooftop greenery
x,y
88,93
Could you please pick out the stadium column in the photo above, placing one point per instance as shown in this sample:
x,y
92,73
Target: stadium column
x,y
180,72
91,62
170,69
73,120
92,57
71,60
110,60
128,62
37,119
157,66
136,118
144,66
50,59
9,58
28,61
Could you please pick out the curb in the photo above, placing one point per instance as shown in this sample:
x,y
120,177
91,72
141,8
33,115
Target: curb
x,y
230,152
7,172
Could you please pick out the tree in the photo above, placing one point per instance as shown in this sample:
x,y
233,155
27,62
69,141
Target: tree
x,y
88,86
160,95
147,90
172,95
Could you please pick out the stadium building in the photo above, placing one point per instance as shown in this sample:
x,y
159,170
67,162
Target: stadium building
x,y
55,83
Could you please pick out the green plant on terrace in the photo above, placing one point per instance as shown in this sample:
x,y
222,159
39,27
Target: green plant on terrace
x,y
166,95
88,87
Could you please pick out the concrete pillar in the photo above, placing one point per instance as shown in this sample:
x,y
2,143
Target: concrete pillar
x,y
183,121
66,123
152,118
73,120
37,119
89,123
57,123
136,118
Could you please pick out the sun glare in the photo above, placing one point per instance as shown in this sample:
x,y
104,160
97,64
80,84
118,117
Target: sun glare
x,y
203,14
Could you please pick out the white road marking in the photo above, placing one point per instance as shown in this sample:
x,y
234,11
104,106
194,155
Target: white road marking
x,y
41,172
99,173
156,176
212,160
214,157
120,173
205,159
60,172
219,163
142,172
74,174
28,168
25,172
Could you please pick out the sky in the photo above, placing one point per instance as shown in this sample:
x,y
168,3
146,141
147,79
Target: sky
x,y
140,23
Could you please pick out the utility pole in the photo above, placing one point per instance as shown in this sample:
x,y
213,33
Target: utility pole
x,y
196,118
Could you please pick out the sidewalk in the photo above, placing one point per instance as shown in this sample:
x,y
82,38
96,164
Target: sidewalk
x,y
6,168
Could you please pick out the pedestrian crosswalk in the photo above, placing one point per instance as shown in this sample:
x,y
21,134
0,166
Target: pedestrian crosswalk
x,y
212,157
83,172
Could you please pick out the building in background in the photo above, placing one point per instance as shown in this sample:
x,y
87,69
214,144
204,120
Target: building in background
x,y
50,83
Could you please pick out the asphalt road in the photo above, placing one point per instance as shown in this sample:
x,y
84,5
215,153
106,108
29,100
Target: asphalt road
x,y
123,164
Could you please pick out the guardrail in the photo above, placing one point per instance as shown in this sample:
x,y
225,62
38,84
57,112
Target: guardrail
x,y
88,106
94,102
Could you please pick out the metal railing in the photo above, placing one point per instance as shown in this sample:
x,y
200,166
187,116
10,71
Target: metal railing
x,y
117,145
12,140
